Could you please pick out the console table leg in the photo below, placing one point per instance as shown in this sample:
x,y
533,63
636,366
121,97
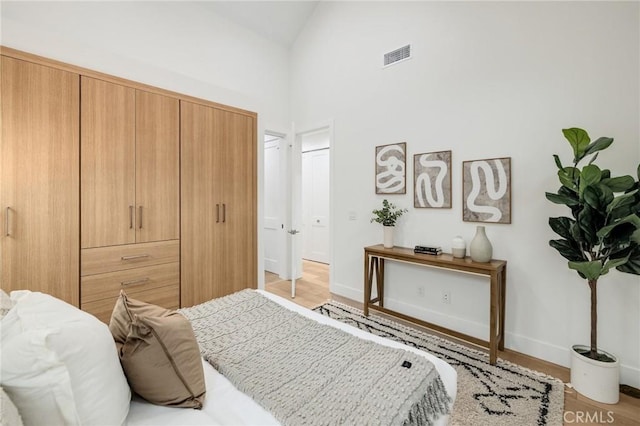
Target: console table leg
x,y
380,282
493,317
503,302
367,285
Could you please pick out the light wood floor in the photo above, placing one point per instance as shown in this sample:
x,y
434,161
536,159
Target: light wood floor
x,y
313,290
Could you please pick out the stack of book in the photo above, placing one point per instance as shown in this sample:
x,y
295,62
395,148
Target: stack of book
x,y
428,250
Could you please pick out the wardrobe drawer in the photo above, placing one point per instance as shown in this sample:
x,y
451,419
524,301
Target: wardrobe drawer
x,y
158,284
117,258
167,297
132,281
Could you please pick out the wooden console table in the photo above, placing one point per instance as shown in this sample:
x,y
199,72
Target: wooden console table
x,y
496,270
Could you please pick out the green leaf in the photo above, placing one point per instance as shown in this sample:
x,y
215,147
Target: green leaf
x,y
593,197
558,162
561,199
632,266
562,226
632,219
622,200
619,184
587,221
569,177
591,270
590,175
593,158
579,140
567,250
598,145
606,192
606,174
614,263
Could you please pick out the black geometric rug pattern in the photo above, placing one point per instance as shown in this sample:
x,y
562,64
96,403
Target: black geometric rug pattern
x,y
501,394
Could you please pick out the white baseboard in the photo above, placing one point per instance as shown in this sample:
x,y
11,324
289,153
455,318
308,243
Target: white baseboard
x,y
542,350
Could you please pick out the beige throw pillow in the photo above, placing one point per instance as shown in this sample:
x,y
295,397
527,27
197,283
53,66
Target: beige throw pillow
x,y
159,353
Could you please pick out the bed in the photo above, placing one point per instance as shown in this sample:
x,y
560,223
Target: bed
x,y
75,366
225,405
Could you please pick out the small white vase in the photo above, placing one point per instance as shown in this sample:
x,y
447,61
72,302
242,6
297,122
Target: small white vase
x,y
595,379
480,248
388,236
458,247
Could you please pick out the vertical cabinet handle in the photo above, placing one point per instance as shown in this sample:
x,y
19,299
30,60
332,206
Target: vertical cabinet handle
x,y
224,213
130,217
140,209
217,213
6,222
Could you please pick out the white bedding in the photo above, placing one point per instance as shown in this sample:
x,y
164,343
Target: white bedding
x,y
225,405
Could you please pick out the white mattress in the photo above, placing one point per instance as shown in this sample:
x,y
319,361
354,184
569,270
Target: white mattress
x,y
225,405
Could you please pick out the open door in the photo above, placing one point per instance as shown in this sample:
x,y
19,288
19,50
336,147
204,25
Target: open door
x,y
310,222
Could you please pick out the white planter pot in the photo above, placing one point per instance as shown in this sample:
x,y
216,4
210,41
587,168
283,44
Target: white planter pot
x,y
594,379
388,236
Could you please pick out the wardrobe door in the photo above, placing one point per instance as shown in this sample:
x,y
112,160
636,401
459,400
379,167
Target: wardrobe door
x,y
39,180
202,250
238,153
157,167
107,163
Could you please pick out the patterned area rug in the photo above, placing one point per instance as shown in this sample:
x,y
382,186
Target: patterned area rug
x,y
501,394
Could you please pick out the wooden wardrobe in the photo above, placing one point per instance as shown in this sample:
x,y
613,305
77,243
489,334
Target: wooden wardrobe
x,y
218,202
109,184
40,179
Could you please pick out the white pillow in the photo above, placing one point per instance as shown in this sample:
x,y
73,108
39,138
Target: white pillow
x,y
5,304
59,364
9,415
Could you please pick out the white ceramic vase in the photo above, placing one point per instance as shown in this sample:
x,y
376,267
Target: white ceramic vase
x,y
480,248
388,236
595,379
458,247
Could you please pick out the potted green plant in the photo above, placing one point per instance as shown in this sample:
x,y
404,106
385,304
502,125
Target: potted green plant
x,y
602,234
387,216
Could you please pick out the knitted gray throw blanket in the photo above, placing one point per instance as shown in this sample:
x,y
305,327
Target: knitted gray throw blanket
x,y
304,372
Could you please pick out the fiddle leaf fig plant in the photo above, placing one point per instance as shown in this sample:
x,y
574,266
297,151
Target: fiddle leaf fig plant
x,y
388,214
603,232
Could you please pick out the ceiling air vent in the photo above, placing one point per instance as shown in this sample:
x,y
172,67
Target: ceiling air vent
x,y
398,55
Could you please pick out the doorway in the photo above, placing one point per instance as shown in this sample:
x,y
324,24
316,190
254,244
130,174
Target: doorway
x,y
305,164
315,200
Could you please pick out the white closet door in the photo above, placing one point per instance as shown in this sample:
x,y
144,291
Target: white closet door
x,y
315,205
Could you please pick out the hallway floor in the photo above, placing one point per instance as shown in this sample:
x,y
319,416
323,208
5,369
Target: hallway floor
x,y
311,290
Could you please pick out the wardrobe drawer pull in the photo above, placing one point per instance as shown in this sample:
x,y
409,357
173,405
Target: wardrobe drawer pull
x,y
136,256
134,282
130,217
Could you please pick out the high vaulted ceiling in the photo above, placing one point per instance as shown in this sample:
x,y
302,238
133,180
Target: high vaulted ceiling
x,y
279,21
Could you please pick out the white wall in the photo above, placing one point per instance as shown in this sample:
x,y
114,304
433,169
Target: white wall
x,y
486,80
179,46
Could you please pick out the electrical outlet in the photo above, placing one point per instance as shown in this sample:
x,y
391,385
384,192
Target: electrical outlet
x,y
421,291
446,297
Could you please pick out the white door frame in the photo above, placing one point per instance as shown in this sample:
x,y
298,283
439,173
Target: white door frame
x,y
295,206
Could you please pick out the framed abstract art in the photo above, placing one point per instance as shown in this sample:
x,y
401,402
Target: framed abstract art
x,y
486,190
391,172
432,180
